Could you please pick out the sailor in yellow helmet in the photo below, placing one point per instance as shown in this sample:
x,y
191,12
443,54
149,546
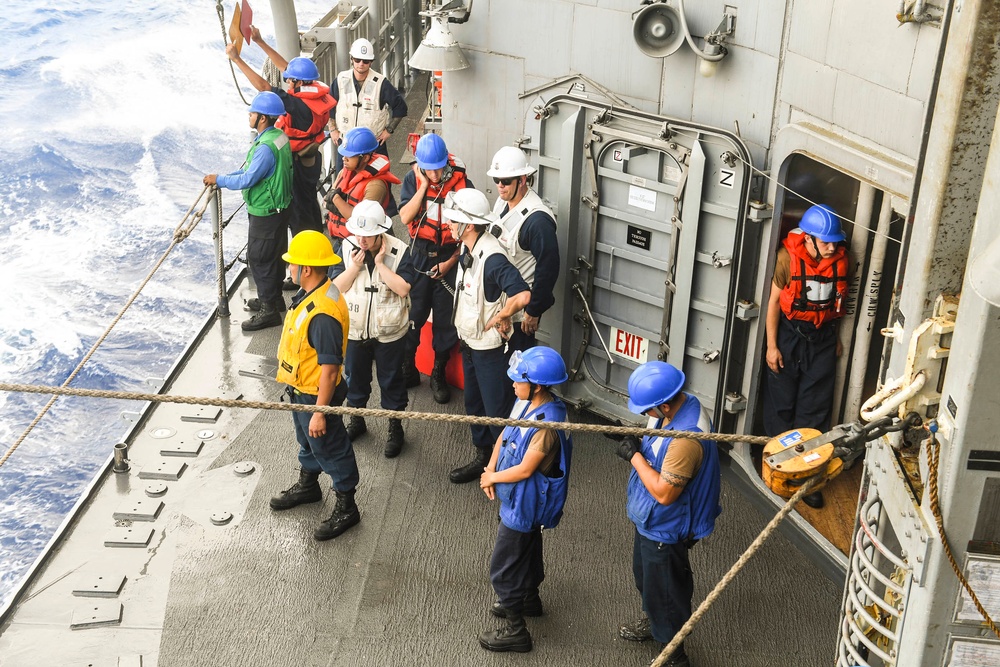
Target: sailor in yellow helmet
x,y
310,357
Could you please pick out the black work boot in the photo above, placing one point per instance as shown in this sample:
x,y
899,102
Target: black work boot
x,y
677,659
513,636
814,500
411,376
289,285
394,445
304,491
345,514
439,383
472,470
532,606
254,304
636,631
267,316
356,427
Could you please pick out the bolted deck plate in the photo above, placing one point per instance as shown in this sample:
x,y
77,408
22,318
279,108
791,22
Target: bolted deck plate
x,y
204,414
138,509
187,447
99,585
97,614
128,536
168,470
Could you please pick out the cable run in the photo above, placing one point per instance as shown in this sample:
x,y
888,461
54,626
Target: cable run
x,y
181,232
378,412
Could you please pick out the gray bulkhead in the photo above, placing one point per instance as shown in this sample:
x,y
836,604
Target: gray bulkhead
x,y
830,93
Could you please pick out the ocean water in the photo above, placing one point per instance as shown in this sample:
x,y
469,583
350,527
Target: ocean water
x,y
113,110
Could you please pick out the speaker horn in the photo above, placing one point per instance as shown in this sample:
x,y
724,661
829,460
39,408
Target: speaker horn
x,y
657,30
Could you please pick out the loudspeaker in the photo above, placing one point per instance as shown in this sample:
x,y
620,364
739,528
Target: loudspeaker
x,y
657,30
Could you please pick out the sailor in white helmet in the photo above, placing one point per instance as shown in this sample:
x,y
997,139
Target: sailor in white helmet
x,y
365,98
526,229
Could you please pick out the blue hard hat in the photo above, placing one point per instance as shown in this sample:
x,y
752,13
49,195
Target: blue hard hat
x,y
822,222
431,152
358,141
538,365
268,104
653,384
301,69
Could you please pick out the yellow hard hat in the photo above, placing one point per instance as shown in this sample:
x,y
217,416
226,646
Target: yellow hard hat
x,y
310,248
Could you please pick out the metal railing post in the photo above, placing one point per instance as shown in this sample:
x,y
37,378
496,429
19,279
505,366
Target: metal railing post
x,y
220,260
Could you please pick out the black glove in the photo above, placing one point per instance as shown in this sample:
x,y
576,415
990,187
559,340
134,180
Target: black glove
x,y
628,448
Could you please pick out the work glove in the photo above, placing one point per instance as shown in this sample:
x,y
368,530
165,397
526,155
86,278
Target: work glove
x,y
628,447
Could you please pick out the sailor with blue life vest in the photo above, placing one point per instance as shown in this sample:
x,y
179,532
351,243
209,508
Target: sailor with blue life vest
x,y
435,254
266,182
308,105
526,228
365,176
529,473
375,280
310,358
489,290
807,299
673,500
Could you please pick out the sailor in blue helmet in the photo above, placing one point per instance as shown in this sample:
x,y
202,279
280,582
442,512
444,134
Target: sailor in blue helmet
x,y
808,297
529,472
673,500
266,182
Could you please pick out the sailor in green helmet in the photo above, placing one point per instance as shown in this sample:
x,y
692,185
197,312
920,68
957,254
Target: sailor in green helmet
x,y
266,182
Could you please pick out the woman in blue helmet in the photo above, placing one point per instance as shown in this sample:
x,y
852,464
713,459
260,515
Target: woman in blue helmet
x,y
529,473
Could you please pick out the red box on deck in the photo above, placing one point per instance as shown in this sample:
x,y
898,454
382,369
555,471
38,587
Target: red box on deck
x,y
425,359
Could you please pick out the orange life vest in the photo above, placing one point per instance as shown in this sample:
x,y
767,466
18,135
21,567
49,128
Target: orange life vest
x,y
317,97
817,290
427,224
353,184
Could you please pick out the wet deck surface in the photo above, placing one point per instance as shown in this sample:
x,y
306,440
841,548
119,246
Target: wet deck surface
x,y
409,585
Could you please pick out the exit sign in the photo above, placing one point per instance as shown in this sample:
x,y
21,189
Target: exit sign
x,y
629,345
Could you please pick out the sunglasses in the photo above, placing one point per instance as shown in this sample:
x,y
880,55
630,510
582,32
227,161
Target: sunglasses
x,y
504,181
360,60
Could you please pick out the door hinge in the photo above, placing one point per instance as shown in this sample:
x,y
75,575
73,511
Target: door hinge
x,y
735,402
747,310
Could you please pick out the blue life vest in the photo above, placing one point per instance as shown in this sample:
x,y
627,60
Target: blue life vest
x,y
538,500
692,515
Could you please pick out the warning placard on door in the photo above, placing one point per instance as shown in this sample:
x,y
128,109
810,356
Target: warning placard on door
x,y
641,198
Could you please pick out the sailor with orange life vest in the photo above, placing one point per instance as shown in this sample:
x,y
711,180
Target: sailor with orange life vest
x,y
365,176
435,254
808,297
308,105
365,98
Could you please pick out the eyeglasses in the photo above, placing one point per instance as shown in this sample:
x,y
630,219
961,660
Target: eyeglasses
x,y
360,60
504,181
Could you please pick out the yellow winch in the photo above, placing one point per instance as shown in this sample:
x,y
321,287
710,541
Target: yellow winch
x,y
796,456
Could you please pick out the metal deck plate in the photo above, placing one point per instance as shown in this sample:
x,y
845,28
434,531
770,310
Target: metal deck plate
x,y
138,509
186,447
128,536
168,470
263,369
99,585
97,614
206,414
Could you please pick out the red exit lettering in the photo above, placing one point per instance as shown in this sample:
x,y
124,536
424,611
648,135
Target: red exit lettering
x,y
628,344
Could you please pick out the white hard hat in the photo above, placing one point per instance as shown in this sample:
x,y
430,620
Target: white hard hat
x,y
468,207
508,162
362,49
368,219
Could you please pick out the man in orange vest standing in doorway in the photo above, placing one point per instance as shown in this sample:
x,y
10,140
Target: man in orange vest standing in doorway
x,y
808,297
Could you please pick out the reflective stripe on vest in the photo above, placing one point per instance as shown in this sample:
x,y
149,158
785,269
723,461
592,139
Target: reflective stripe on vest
x,y
539,499
297,362
472,311
376,311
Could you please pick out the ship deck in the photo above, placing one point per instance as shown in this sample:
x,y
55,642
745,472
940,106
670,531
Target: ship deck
x,y
408,586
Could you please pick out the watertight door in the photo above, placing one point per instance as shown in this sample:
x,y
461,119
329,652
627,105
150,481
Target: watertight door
x,y
652,213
